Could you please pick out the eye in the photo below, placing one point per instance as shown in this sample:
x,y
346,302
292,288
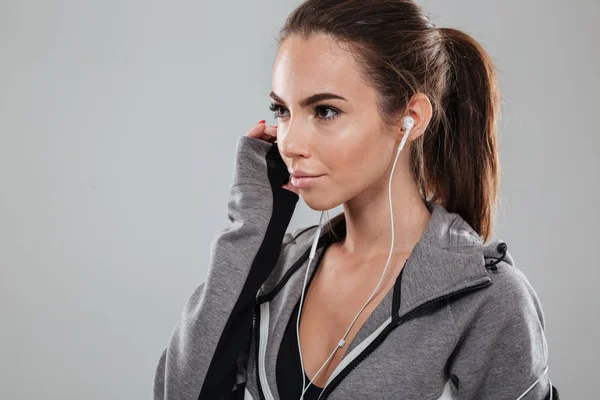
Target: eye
x,y
326,108
318,109
275,107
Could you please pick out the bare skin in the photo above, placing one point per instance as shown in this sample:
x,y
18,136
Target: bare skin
x,y
355,153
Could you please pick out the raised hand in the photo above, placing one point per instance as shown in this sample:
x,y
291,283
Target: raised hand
x,y
268,133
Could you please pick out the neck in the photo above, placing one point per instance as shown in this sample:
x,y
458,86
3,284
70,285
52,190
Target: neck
x,y
368,221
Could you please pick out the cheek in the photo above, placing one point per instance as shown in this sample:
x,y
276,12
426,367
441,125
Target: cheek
x,y
366,164
355,157
350,163
348,150
343,157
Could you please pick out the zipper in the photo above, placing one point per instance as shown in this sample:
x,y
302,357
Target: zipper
x,y
264,392
263,326
379,339
261,395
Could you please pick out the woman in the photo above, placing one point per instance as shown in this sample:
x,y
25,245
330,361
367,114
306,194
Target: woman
x,y
442,314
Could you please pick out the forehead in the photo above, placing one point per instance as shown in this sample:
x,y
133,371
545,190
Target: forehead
x,y
317,64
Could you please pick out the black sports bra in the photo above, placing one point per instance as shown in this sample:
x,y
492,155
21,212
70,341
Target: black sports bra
x,y
288,369
289,381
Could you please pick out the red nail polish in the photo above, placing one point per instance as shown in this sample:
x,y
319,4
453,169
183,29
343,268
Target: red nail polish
x,y
262,121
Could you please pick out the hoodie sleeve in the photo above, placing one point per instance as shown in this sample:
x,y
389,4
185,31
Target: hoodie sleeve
x,y
501,349
202,358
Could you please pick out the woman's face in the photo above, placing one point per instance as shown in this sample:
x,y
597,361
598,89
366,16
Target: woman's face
x,y
341,138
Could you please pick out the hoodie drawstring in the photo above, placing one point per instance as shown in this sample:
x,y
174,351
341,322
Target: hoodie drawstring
x,y
502,248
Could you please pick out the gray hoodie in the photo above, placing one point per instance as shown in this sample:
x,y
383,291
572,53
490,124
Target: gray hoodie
x,y
461,322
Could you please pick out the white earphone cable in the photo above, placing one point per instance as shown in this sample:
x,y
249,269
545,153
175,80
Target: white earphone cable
x,y
408,123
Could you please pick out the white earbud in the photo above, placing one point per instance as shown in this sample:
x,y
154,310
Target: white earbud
x,y
407,123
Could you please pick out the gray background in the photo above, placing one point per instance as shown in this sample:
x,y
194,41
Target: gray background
x,y
118,121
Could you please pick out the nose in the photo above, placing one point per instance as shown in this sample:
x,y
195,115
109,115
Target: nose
x,y
293,141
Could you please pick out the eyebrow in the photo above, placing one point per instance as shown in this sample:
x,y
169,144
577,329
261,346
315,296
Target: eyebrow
x,y
315,98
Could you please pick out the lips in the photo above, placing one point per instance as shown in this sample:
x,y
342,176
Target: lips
x,y
298,173
306,176
306,181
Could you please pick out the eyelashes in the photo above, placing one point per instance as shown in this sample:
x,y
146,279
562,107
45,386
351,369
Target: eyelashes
x,y
275,107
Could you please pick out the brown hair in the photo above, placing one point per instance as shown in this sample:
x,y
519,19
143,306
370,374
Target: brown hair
x,y
400,52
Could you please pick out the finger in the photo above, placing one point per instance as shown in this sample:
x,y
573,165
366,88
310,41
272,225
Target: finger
x,y
271,130
257,131
268,138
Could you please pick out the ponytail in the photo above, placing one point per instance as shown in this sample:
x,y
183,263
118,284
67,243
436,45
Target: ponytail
x,y
461,160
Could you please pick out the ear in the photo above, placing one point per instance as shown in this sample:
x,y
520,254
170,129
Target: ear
x,y
419,107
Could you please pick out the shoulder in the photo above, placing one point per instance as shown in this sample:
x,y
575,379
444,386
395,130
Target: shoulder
x,y
510,301
513,296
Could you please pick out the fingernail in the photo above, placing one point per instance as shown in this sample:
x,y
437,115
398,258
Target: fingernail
x,y
262,121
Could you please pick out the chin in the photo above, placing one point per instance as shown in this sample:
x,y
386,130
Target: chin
x,y
315,201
